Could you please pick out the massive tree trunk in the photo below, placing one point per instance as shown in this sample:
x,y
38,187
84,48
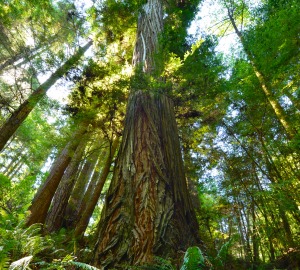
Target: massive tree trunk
x,y
42,200
147,210
18,116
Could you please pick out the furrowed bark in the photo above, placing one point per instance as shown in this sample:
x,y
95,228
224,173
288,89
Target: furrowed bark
x,y
18,117
150,25
147,210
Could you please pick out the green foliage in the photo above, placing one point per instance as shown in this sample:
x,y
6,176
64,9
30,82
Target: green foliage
x,y
193,259
223,254
14,198
158,264
197,84
42,24
179,16
116,17
100,95
65,263
140,81
17,242
36,133
24,248
275,42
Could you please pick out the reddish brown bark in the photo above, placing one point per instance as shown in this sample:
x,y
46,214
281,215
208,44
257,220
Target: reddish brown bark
x,y
147,210
42,200
56,213
88,193
91,204
74,203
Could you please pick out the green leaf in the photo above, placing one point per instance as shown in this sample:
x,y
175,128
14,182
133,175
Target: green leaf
x,y
193,259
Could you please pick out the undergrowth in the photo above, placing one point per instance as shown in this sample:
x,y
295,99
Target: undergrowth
x,y
24,248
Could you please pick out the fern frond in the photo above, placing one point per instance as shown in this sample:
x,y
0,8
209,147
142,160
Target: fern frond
x,y
83,265
4,259
60,264
224,250
158,264
193,259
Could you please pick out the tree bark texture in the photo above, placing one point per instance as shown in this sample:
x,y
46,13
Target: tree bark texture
x,y
89,206
71,214
150,25
71,223
56,213
18,116
147,209
42,200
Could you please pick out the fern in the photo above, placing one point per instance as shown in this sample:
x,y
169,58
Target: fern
x,y
18,242
83,265
221,258
4,259
193,259
159,264
68,260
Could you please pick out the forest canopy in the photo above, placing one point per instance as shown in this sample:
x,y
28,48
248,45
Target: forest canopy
x,y
149,134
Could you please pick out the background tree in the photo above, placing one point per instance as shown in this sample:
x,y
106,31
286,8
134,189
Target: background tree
x,y
240,162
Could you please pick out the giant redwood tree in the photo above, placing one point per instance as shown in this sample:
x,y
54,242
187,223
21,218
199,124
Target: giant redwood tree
x,y
147,209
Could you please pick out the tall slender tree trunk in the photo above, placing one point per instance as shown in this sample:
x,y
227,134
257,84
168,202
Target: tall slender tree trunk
x,y
13,160
147,209
265,211
86,211
4,40
18,116
286,227
56,213
16,160
22,55
295,101
71,214
15,170
71,223
42,200
277,108
255,240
